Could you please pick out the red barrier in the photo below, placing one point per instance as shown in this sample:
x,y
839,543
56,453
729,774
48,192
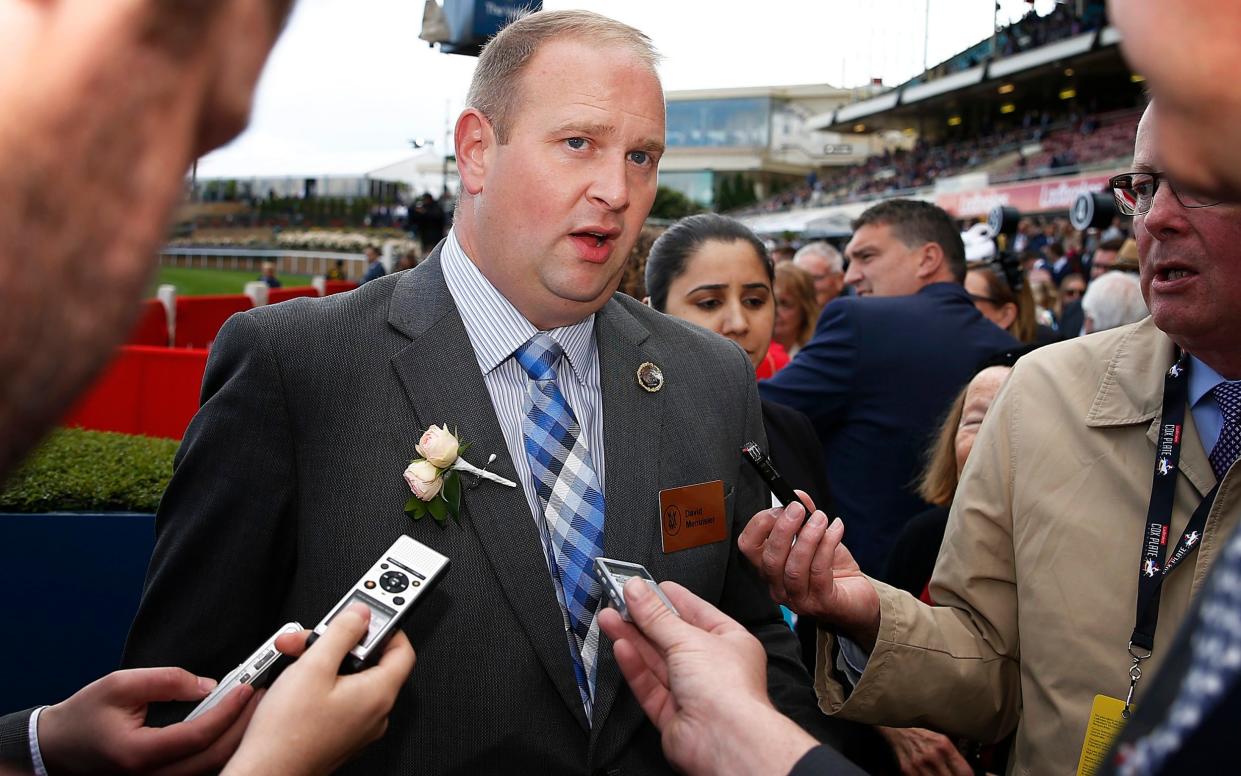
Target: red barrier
x,y
152,326
275,295
199,318
338,286
145,390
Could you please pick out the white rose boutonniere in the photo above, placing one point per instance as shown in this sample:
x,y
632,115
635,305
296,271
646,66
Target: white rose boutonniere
x,y
439,446
434,480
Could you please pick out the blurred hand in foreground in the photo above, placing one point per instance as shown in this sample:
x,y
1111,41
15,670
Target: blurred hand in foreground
x,y
312,719
702,680
816,575
101,728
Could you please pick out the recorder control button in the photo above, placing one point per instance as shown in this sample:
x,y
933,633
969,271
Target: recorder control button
x,y
398,601
262,661
370,584
394,581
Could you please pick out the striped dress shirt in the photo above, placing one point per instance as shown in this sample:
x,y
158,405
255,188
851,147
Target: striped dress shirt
x,y
496,329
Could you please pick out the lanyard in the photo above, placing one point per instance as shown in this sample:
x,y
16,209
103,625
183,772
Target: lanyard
x,y
1156,564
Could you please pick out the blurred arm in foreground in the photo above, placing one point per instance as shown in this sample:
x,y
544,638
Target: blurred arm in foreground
x,y
103,107
701,679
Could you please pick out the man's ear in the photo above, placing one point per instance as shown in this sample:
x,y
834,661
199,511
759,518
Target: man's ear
x,y
930,260
473,138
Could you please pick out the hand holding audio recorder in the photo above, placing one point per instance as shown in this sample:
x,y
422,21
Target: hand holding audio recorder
x,y
388,589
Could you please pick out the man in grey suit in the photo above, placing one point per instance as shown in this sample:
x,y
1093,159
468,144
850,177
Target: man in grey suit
x,y
288,483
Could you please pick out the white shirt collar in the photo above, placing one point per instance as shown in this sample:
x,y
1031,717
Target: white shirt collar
x,y
495,327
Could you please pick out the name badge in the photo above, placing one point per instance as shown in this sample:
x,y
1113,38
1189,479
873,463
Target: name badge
x,y
1105,723
693,515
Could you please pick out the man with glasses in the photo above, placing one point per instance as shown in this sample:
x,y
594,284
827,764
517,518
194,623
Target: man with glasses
x,y
1079,493
1105,257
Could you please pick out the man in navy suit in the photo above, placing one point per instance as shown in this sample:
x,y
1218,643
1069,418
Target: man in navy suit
x,y
883,366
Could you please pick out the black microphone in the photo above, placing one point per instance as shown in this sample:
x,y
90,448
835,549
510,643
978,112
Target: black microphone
x,y
762,464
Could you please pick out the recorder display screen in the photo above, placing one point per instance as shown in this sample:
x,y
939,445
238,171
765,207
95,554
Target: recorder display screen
x,y
380,615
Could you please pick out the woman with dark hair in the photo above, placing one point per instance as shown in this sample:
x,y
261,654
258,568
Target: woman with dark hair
x,y
1013,311
737,303
713,271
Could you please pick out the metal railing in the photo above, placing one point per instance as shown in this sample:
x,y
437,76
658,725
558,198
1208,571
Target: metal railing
x,y
294,262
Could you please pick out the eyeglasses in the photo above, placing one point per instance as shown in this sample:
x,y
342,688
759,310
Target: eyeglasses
x,y
1134,192
987,299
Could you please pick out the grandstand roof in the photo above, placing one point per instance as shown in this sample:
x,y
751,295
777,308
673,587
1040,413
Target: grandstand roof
x,y
1054,71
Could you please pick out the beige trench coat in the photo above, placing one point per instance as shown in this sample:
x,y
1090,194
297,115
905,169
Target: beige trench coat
x,y
1037,575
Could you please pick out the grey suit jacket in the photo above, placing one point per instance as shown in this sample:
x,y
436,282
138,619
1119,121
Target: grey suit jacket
x,y
288,485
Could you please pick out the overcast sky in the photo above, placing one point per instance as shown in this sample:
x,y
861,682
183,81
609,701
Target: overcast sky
x,y
350,84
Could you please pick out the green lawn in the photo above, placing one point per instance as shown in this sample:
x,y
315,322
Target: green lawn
x,y
196,282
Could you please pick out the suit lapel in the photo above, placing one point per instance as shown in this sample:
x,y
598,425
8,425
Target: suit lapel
x,y
440,374
632,422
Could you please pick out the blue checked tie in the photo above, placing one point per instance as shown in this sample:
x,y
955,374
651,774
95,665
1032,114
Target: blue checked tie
x,y
568,488
1228,446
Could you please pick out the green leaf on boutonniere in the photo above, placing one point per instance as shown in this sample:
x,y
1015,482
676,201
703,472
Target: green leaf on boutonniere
x,y
415,508
452,494
438,509
462,449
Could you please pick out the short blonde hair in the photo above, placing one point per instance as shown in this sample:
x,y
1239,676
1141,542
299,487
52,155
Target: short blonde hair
x,y
495,89
801,287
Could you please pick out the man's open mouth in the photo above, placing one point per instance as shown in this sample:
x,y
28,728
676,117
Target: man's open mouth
x,y
598,237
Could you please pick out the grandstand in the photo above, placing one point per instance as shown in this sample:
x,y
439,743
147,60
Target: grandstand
x,y
1044,110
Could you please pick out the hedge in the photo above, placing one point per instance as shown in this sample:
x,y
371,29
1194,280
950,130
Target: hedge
x,y
76,470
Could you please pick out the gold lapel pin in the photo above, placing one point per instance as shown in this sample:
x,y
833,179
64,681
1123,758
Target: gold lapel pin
x,y
650,377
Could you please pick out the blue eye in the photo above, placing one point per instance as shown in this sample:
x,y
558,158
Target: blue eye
x,y
639,157
576,143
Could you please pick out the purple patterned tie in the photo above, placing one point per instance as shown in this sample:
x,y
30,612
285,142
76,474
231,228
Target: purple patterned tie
x,y
1228,447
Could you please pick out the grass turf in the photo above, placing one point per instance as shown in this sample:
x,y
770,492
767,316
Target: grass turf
x,y
196,282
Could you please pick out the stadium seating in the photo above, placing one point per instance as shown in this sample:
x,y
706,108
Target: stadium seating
x,y
275,295
338,287
152,391
1100,138
199,318
152,325
1066,144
